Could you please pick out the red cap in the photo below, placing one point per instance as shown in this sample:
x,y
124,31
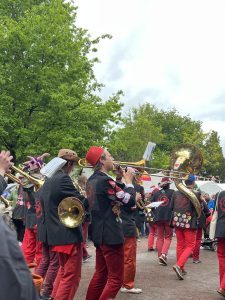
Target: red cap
x,y
93,155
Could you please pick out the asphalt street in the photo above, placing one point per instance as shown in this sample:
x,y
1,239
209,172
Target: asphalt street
x,y
160,282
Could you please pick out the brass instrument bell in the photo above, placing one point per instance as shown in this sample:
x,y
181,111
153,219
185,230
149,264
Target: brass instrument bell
x,y
71,212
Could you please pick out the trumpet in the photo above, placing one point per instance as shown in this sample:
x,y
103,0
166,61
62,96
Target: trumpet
x,y
38,183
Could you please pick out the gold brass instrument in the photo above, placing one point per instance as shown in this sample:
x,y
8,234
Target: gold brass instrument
x,y
140,165
5,201
187,158
71,212
142,205
36,182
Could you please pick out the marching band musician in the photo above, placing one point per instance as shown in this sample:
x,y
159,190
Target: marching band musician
x,y
220,235
105,197
15,276
185,221
205,213
32,249
163,217
130,243
63,241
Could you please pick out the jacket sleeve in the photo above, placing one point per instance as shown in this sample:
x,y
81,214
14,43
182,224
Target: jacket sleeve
x,y
15,276
115,193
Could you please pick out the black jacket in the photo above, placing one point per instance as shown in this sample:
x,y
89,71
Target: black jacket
x,y
220,225
183,212
103,196
163,212
205,214
50,229
15,276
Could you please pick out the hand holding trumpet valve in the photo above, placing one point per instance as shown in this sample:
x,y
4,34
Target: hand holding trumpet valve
x,y
128,175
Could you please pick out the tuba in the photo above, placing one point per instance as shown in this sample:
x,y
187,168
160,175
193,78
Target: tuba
x,y
187,158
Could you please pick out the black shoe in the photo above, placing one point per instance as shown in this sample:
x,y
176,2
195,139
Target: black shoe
x,y
184,272
179,272
86,258
151,249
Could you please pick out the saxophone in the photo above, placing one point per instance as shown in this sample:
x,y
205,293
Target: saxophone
x,y
187,158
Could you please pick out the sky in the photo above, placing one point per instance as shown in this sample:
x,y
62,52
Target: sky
x,y
170,53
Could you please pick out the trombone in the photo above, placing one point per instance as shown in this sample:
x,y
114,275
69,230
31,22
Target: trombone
x,y
141,169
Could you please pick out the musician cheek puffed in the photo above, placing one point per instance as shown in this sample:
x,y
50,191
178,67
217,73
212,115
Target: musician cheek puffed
x,y
60,241
105,197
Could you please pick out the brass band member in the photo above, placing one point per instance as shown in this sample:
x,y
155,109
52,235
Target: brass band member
x,y
185,221
15,276
220,235
105,197
57,238
130,243
163,217
31,248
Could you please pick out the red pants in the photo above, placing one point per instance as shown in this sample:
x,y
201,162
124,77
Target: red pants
x,y
108,276
164,237
130,248
69,274
85,235
31,248
151,236
221,258
48,268
196,250
186,239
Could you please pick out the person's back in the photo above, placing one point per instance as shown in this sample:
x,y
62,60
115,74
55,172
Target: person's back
x,y
15,276
14,273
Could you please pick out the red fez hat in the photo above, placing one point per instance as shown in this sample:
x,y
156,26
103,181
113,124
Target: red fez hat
x,y
93,155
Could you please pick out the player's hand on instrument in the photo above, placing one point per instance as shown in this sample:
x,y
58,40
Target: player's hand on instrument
x,y
5,162
128,175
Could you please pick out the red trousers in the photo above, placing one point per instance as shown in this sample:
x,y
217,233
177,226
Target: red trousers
x,y
130,248
196,250
48,268
69,274
31,248
151,236
221,258
85,236
108,276
186,239
164,237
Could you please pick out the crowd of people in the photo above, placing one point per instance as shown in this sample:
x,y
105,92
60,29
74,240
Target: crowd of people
x,y
113,220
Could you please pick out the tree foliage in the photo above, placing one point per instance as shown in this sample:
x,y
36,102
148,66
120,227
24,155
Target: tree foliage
x,y
167,129
48,90
214,161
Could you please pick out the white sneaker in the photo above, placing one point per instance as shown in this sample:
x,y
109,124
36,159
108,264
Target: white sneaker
x,y
132,291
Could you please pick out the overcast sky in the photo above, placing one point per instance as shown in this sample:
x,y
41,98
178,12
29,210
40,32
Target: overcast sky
x,y
167,52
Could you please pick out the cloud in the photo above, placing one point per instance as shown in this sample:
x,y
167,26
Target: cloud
x,y
170,53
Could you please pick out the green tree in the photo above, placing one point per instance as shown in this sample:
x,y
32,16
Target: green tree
x,y
129,141
48,90
166,128
214,162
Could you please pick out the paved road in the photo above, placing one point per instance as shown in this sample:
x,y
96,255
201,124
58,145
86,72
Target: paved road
x,y
159,282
